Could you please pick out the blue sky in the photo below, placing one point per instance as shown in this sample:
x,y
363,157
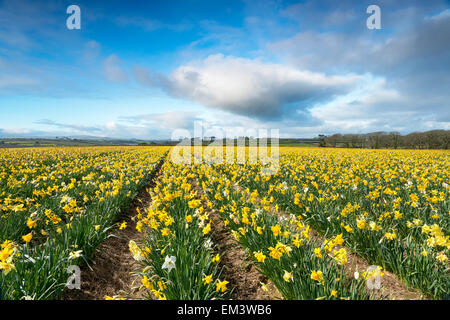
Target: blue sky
x,y
142,69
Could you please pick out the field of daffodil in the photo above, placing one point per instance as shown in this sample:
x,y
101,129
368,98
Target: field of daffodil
x,y
389,207
298,226
57,205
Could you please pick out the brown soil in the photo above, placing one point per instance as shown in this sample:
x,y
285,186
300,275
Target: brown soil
x,y
391,287
111,273
242,275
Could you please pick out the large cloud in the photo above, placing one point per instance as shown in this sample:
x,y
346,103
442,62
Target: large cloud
x,y
377,106
365,52
247,87
406,85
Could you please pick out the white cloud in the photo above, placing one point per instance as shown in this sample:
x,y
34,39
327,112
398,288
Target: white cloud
x,y
247,87
150,25
14,131
374,106
441,15
91,50
111,125
7,81
165,120
113,70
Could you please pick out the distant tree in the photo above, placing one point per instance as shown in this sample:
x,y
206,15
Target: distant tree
x,y
434,139
346,140
322,142
333,139
445,139
418,140
355,140
394,139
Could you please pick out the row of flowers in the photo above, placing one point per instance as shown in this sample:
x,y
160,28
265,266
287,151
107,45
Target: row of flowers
x,y
179,259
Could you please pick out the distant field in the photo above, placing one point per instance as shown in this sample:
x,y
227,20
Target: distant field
x,y
23,143
26,143
8,143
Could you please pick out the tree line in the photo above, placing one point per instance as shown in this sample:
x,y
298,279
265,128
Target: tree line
x,y
434,139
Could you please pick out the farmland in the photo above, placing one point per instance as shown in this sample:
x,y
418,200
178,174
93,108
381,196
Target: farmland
x,y
227,230
56,206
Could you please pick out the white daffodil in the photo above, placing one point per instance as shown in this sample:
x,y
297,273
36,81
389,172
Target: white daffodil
x,y
169,263
208,244
75,254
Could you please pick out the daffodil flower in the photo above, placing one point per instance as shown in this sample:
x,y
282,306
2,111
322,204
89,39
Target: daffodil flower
x,y
169,263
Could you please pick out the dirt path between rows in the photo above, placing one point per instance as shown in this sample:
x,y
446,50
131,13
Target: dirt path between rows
x,y
111,271
245,280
